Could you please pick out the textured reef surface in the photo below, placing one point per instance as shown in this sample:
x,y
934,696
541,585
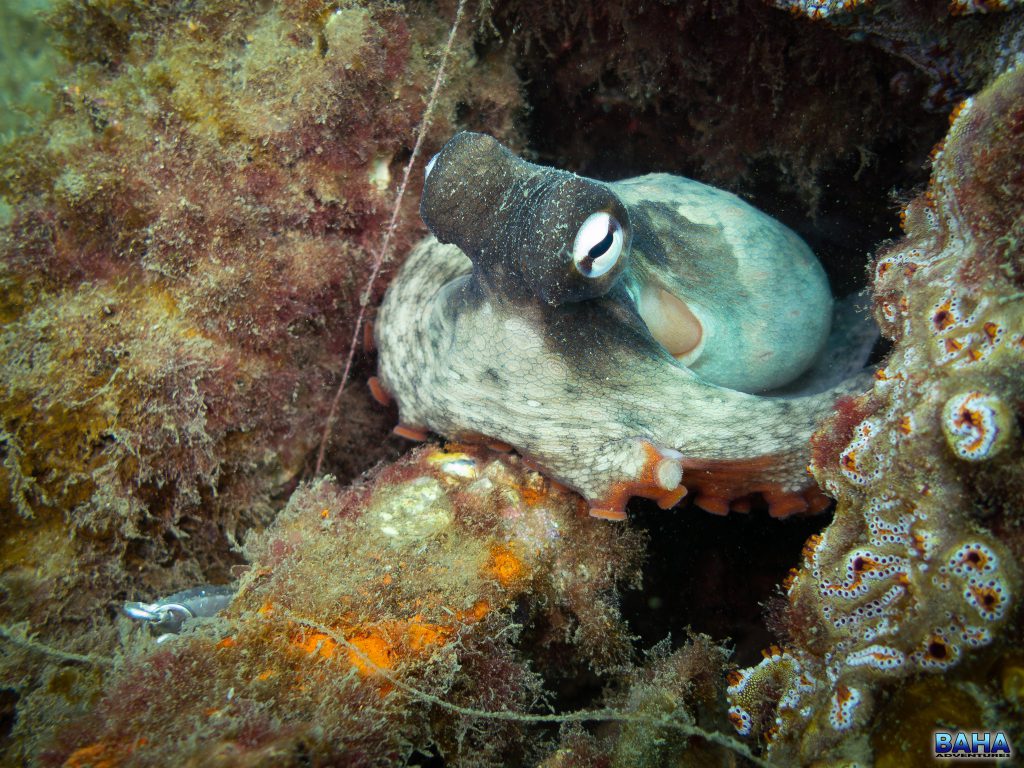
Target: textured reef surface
x,y
190,214
190,234
919,572
429,575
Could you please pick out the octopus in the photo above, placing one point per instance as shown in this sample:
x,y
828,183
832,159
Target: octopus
x,y
649,337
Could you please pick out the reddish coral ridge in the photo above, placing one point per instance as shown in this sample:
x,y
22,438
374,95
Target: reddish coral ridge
x,y
993,187
836,432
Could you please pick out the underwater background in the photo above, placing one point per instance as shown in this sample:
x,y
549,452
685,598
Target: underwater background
x,y
202,204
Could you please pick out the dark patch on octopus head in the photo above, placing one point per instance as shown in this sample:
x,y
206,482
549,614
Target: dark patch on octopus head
x,y
697,253
553,247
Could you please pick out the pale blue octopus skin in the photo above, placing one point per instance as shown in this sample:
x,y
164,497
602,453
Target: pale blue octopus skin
x,y
762,297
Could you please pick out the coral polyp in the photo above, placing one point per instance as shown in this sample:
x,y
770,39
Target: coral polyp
x,y
978,426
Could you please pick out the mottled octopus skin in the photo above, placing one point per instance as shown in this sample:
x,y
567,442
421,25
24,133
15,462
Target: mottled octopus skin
x,y
496,337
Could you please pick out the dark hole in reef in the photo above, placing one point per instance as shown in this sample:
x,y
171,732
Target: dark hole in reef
x,y
425,760
571,685
8,713
713,574
879,352
401,158
361,435
937,650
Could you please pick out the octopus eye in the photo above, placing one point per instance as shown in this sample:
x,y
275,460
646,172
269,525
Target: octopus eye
x,y
598,245
430,166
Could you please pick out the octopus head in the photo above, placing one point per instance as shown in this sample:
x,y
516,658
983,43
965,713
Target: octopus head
x,y
530,231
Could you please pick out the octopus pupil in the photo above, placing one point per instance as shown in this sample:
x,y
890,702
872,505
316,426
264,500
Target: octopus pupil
x,y
601,247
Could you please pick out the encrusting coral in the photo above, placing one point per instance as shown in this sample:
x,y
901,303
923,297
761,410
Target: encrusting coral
x,y
419,645
823,9
919,571
418,580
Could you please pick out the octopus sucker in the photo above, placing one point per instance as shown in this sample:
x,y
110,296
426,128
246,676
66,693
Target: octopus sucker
x,y
646,337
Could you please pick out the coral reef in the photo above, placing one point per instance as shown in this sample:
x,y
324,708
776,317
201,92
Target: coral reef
x,y
187,235
681,686
958,46
190,231
355,597
919,571
823,9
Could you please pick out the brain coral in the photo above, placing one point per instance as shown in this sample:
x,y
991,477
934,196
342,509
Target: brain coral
x,y
919,571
